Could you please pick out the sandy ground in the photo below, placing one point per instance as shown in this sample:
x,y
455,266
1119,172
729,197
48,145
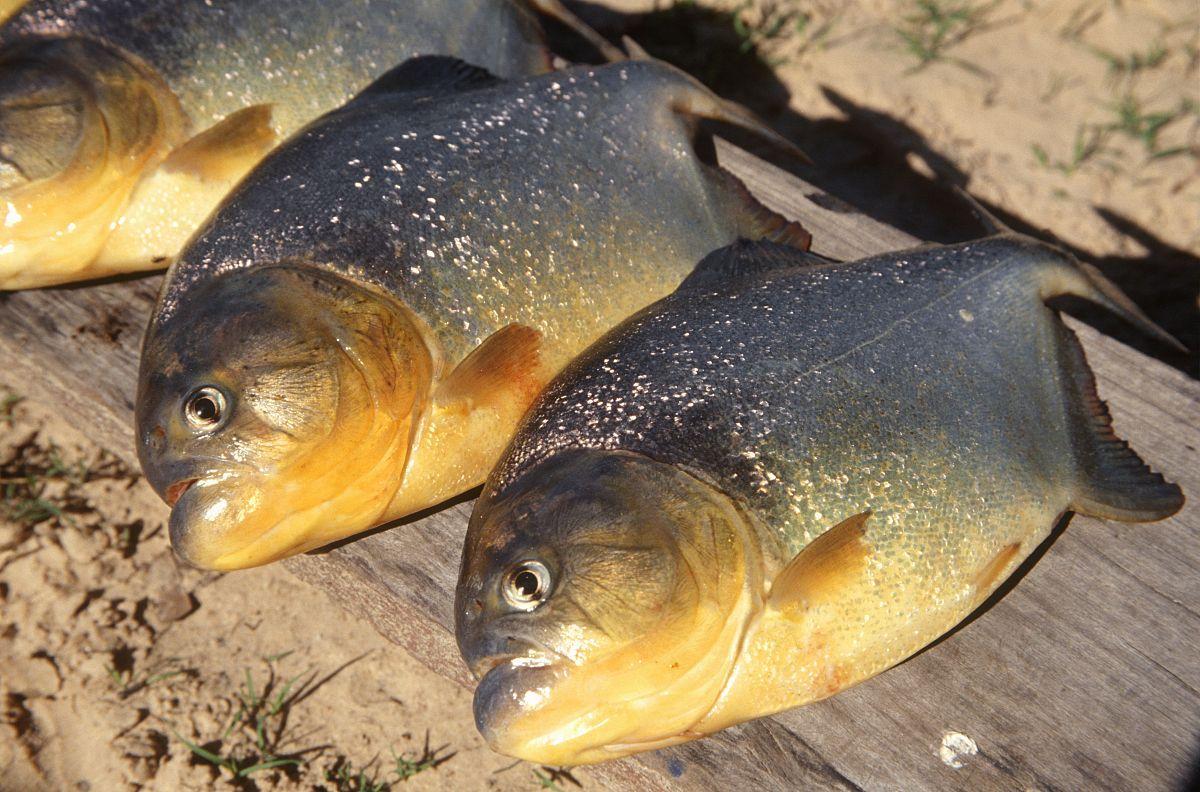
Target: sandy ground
x,y
1075,119
112,655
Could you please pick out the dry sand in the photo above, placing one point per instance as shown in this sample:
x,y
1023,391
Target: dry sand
x,y
112,655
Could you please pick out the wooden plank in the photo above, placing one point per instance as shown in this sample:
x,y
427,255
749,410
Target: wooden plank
x,y
1085,675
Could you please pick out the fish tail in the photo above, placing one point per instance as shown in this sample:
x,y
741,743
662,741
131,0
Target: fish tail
x,y
556,10
1080,279
1114,483
695,99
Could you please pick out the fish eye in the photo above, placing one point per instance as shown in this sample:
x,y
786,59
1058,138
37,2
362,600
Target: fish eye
x,y
204,408
527,585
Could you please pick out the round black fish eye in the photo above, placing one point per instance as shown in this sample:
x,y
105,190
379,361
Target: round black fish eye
x,y
204,409
527,585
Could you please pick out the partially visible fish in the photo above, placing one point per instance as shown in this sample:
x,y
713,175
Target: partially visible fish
x,y
777,482
353,337
124,122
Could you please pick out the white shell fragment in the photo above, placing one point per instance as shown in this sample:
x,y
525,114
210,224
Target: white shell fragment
x,y
955,747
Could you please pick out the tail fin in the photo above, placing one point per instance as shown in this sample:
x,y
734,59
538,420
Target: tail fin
x,y
1080,279
556,10
701,102
1115,484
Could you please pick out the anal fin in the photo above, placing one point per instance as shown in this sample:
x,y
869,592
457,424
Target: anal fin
x,y
744,261
227,149
1114,483
987,577
824,567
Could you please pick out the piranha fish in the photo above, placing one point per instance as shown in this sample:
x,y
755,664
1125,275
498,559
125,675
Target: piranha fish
x,y
355,334
124,122
779,481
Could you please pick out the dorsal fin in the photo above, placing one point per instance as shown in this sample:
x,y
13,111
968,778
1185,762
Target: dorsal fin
x,y
745,260
431,74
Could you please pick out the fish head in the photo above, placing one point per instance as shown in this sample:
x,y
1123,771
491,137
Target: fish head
x,y
275,413
601,601
80,124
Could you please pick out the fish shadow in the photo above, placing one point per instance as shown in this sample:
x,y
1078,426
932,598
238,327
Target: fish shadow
x,y
467,497
884,168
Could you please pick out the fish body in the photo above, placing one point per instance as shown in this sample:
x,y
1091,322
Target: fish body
x,y
455,239
781,480
126,121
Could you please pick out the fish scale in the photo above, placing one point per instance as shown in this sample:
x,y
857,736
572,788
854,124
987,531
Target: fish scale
x,y
432,253
830,465
541,202
304,57
194,93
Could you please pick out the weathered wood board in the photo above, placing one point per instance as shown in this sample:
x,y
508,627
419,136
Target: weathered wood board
x,y
1086,675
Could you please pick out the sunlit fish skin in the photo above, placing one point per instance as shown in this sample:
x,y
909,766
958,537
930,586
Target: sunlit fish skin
x,y
354,335
124,122
780,480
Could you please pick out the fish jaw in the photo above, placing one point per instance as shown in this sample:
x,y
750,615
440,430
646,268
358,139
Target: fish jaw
x,y
55,219
246,519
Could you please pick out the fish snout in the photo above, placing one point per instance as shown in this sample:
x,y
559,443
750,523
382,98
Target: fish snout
x,y
204,523
506,695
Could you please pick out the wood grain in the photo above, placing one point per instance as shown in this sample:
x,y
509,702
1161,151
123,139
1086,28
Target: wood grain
x,y
1086,674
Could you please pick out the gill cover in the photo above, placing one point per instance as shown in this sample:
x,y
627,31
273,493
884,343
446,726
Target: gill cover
x,y
656,577
79,125
322,381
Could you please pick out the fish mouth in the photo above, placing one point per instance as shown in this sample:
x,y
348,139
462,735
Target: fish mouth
x,y
531,659
175,491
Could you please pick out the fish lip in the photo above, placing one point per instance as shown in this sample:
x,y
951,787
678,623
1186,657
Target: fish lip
x,y
526,654
175,491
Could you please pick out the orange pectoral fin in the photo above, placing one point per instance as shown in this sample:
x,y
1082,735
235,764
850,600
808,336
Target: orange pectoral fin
x,y
227,149
829,563
504,371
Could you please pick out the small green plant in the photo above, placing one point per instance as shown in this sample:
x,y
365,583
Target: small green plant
x,y
549,778
937,25
1128,65
234,767
546,781
757,24
251,741
345,779
404,768
37,484
128,683
1134,121
1088,145
8,403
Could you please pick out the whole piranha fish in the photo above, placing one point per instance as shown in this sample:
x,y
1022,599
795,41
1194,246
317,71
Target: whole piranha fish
x,y
124,122
780,480
355,334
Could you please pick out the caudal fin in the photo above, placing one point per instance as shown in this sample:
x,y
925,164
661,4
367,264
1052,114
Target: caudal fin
x,y
1113,481
556,10
701,102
